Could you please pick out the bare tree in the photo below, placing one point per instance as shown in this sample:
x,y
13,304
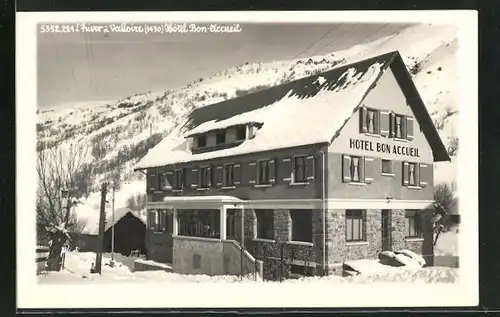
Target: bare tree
x,y
444,197
59,176
137,202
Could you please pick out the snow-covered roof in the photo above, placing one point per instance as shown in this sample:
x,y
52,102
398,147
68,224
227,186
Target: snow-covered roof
x,y
218,125
119,214
310,110
202,198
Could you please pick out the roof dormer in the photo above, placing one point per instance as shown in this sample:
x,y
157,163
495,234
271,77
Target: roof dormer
x,y
221,138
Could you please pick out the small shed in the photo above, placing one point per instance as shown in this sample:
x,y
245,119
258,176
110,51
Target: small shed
x,y
129,230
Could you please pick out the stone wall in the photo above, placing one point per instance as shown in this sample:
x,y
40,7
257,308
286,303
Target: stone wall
x,y
198,256
159,246
338,250
424,245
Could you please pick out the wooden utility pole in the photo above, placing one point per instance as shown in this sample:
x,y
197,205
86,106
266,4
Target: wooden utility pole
x,y
102,220
242,224
113,228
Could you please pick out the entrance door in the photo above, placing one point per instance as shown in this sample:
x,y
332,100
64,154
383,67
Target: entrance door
x,y
169,243
386,230
231,225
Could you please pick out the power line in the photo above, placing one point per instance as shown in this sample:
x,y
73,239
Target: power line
x,y
89,66
312,44
336,39
359,42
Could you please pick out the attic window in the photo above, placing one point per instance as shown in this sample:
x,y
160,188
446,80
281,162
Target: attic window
x,y
369,120
202,141
220,137
241,133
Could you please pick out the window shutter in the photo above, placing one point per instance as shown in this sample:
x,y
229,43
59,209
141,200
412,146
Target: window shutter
x,y
392,125
151,218
170,222
409,128
209,176
346,168
183,178
272,172
385,123
369,169
151,181
237,174
252,172
148,219
361,169
362,120
163,220
195,178
425,174
405,174
310,168
286,169
168,180
404,125
219,175
417,174
154,218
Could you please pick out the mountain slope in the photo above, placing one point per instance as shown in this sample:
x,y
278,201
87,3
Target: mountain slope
x,y
121,132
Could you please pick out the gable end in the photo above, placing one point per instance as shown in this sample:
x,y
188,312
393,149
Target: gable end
x,y
418,107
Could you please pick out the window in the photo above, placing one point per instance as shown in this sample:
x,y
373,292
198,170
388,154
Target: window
x,y
241,133
157,220
412,224
178,179
299,169
301,225
220,137
204,181
371,121
264,175
412,174
165,180
201,141
199,223
229,175
355,225
265,224
399,127
387,167
301,270
355,169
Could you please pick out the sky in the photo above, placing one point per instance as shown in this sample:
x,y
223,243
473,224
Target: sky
x,y
82,67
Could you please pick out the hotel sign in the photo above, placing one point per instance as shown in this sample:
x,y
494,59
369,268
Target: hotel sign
x,y
381,147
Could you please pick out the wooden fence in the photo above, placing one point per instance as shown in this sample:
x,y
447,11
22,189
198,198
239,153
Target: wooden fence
x,y
42,254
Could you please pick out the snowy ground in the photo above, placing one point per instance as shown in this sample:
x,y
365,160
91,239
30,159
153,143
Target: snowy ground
x,y
447,243
77,271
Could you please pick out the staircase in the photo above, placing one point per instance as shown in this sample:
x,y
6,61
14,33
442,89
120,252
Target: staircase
x,y
238,261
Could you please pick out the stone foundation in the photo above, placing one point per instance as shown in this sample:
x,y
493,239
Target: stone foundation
x,y
337,249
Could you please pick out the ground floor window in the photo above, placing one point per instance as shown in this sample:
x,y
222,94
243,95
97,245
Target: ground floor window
x,y
301,225
199,223
412,224
301,270
355,225
265,223
156,220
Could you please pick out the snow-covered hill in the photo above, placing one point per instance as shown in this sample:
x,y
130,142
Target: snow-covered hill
x,y
119,133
